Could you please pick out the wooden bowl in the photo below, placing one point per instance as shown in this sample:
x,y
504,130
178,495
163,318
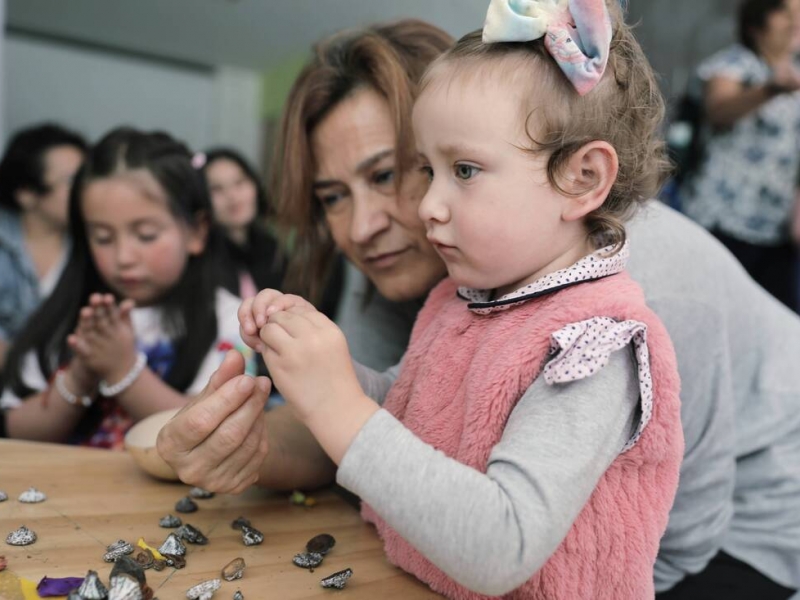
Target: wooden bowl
x,y
140,442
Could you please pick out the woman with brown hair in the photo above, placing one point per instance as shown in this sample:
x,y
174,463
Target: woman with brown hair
x,y
343,172
341,181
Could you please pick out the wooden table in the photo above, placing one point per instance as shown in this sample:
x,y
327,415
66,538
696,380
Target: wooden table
x,y
95,497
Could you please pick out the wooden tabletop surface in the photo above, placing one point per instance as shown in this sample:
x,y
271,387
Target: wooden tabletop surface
x,y
95,497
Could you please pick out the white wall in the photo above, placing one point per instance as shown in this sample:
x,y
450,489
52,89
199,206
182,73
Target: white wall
x,y
237,105
92,91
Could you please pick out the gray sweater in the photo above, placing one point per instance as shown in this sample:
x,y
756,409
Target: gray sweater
x,y
738,352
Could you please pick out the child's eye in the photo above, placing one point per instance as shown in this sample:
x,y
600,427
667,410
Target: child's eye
x,y
101,241
427,171
146,238
465,172
383,177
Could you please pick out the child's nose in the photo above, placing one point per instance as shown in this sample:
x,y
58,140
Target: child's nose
x,y
432,207
126,253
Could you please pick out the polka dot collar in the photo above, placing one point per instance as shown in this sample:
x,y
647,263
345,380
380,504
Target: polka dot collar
x,y
596,265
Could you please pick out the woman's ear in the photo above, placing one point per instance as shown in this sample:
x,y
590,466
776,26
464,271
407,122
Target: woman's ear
x,y
198,234
588,177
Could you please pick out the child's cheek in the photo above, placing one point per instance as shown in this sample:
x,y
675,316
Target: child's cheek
x,y
103,257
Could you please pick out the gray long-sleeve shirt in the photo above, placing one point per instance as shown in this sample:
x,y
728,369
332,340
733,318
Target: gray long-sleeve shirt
x,y
504,524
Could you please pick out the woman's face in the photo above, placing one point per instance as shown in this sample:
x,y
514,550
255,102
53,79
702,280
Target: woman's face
x,y
376,226
60,165
780,29
233,194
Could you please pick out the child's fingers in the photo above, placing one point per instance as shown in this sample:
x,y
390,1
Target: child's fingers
x,y
312,316
274,337
295,324
85,320
78,345
261,304
125,307
103,317
286,302
245,315
248,330
251,340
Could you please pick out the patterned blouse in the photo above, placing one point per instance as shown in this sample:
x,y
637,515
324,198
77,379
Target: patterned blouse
x,y
746,186
21,290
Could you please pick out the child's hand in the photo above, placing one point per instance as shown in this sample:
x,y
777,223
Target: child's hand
x,y
309,361
255,312
82,374
107,343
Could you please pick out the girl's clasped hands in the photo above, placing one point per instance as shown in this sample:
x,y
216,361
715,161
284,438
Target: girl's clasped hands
x,y
104,342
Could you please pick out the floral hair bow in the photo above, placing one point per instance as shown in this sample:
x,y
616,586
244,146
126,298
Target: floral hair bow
x,y
577,33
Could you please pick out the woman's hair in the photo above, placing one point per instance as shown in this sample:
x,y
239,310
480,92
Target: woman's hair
x,y
753,15
215,154
387,59
22,167
626,109
189,307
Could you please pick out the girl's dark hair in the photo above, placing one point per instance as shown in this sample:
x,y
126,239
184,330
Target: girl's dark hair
x,y
753,15
215,154
189,307
388,59
22,167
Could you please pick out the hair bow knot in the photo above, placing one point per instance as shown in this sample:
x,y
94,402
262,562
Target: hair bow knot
x,y
577,33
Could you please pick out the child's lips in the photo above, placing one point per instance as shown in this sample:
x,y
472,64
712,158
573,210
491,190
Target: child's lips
x,y
130,282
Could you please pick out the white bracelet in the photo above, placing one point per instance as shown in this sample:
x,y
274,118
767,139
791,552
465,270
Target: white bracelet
x,y
69,397
123,384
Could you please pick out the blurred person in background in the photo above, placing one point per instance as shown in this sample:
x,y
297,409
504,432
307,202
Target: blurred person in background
x,y
36,173
241,208
745,188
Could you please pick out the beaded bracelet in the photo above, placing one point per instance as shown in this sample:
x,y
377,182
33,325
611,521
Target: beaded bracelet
x,y
69,397
123,384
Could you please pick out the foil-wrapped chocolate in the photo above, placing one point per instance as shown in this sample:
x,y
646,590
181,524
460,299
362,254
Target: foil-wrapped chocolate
x,y
239,523
173,545
170,522
203,591
186,505
338,580
233,570
32,496
308,560
200,493
173,560
92,588
251,536
321,544
124,587
21,537
116,550
191,534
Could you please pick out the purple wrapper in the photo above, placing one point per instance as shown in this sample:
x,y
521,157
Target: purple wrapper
x,y
58,586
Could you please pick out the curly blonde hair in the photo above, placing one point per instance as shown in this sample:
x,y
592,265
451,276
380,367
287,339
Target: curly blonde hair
x,y
626,110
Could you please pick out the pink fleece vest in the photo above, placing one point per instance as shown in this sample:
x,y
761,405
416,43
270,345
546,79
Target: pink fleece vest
x,y
462,375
